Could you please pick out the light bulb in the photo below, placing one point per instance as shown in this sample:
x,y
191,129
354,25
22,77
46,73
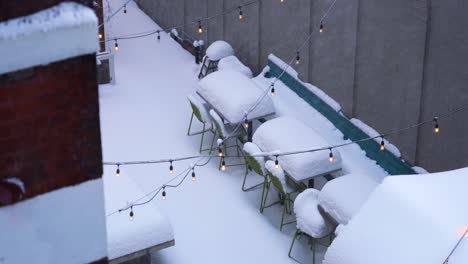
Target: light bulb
x,y
131,214
100,36
116,46
241,15
171,169
117,172
125,9
246,123
223,165
193,175
382,144
276,163
298,59
436,125
164,193
159,36
330,156
272,90
220,152
281,1
321,27
200,29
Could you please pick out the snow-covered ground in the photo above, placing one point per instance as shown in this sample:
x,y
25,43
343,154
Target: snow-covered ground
x,y
146,115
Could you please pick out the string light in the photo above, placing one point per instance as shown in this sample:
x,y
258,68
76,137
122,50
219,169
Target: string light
x,y
276,162
131,214
321,27
298,59
330,156
220,151
436,125
125,9
246,123
272,89
117,172
171,168
382,144
159,36
193,174
200,29
241,15
164,193
223,164
282,1
100,36
116,45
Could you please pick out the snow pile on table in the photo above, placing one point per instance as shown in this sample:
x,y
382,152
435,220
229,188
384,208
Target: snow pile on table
x,y
34,229
408,219
150,227
243,95
318,92
342,197
233,63
287,134
218,50
371,132
309,219
60,32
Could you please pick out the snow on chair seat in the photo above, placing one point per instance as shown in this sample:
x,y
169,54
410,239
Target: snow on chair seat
x,y
256,164
201,113
342,197
233,63
288,134
309,218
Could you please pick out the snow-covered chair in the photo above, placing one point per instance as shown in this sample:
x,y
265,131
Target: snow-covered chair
x,y
342,197
215,52
256,164
226,133
277,177
310,221
200,112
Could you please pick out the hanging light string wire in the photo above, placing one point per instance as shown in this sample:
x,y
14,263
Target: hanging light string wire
x,y
194,22
465,234
115,13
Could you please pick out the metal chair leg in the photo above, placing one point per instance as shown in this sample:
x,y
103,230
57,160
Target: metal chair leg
x,y
212,142
313,250
202,137
294,240
190,125
282,216
263,194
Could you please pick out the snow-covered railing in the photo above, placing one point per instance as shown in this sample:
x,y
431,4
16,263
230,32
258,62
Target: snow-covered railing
x,y
331,110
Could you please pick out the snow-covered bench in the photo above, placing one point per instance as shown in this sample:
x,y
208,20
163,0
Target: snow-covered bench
x,y
285,134
128,240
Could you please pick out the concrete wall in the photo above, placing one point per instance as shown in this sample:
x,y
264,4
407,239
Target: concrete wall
x,y
390,63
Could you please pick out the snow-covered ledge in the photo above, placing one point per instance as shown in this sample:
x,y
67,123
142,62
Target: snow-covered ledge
x,y
64,31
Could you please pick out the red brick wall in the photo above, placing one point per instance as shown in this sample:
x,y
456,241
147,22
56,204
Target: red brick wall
x,y
49,129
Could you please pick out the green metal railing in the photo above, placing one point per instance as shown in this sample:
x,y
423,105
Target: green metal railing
x,y
389,162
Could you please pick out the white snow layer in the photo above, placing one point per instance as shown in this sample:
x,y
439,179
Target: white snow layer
x,y
317,91
288,134
342,197
64,31
218,50
63,226
408,219
233,95
150,227
278,173
371,132
309,219
233,63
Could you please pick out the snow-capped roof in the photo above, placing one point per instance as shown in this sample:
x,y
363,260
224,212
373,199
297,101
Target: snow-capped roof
x,y
408,219
150,227
218,50
60,32
286,134
233,95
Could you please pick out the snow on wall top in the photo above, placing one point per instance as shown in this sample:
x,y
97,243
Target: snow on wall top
x,y
219,49
407,219
62,31
317,91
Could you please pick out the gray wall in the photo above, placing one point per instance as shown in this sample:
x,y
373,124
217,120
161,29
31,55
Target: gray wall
x,y
390,63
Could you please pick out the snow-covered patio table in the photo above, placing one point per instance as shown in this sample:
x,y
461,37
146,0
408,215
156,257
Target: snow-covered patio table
x,y
408,219
150,230
231,94
286,134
